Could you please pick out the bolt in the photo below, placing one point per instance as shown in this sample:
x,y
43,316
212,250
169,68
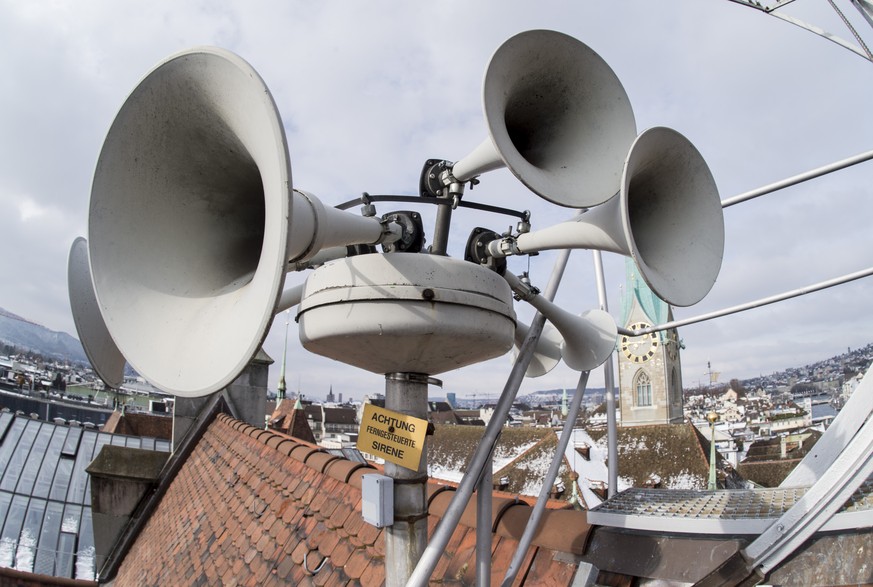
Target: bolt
x,y
427,294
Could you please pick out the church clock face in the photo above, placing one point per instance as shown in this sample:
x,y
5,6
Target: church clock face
x,y
639,349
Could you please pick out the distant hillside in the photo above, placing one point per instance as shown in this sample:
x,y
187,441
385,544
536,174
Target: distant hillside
x,y
546,395
27,335
9,314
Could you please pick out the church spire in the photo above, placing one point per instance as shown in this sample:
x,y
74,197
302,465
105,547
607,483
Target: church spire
x,y
281,387
637,290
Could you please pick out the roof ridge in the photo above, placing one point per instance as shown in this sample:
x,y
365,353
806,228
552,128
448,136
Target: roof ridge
x,y
258,506
310,454
536,445
342,469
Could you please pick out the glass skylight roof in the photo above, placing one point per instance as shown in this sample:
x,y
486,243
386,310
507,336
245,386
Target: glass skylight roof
x,y
45,494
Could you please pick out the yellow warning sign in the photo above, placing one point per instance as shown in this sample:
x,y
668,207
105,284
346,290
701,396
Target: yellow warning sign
x,y
395,437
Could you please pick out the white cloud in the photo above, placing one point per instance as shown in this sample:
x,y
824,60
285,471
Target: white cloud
x,y
30,210
368,91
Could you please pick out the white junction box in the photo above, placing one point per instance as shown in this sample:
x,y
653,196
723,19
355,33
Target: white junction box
x,y
377,504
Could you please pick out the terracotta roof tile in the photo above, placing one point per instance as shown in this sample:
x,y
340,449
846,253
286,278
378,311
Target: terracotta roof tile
x,y
322,578
355,478
357,563
286,446
501,556
283,569
340,469
446,559
341,552
369,533
319,460
374,574
302,451
320,498
377,549
241,511
339,516
354,524
464,558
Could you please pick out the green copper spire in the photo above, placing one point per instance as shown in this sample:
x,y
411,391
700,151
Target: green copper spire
x,y
637,289
281,387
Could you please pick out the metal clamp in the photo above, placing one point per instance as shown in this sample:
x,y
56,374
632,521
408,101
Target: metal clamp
x,y
318,568
414,378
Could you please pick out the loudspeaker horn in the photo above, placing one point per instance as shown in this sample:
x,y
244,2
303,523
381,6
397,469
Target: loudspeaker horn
x,y
105,358
558,118
547,354
589,338
667,217
193,221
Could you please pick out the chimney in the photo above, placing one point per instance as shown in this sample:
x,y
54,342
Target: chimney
x,y
120,478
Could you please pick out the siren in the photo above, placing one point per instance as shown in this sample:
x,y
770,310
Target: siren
x,y
396,313
667,217
588,339
558,118
547,353
105,358
193,222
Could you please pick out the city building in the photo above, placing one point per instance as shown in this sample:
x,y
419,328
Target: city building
x,y
649,365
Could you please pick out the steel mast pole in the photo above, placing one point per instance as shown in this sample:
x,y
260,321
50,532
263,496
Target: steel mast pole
x,y
712,417
406,539
533,523
484,496
449,522
609,383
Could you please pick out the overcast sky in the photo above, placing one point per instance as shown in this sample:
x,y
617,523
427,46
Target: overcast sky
x,y
369,90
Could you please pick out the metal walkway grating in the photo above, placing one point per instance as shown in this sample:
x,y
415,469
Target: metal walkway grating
x,y
747,511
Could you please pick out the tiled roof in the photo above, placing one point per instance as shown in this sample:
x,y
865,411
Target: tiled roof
x,y
453,446
674,452
254,507
764,464
288,419
439,407
340,416
134,424
313,411
525,473
445,418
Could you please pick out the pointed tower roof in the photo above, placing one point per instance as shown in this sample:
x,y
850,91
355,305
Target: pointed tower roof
x,y
637,290
291,420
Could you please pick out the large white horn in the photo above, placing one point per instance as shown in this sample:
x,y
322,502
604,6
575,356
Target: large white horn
x,y
668,217
589,338
193,221
558,118
104,355
547,354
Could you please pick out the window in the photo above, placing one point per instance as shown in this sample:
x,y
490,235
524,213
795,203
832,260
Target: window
x,y
643,386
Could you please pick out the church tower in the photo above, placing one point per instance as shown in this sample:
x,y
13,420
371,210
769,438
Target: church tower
x,y
649,367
